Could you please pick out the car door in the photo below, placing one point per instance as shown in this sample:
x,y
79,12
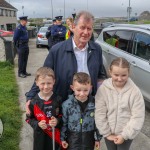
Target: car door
x,y
116,45
140,63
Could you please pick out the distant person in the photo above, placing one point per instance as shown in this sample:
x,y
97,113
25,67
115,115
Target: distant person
x,y
70,24
49,36
58,31
21,43
78,131
77,54
45,110
120,108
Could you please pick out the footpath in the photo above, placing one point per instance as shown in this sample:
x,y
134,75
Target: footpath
x,y
36,60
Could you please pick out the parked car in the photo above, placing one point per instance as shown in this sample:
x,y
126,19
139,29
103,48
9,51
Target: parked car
x,y
106,24
4,33
41,37
133,43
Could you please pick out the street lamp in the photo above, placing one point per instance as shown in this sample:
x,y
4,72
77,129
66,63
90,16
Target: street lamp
x,y
52,8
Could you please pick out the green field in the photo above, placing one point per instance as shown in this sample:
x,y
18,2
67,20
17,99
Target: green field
x,y
10,113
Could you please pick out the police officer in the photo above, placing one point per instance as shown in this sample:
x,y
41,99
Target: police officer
x,y
58,31
21,42
48,34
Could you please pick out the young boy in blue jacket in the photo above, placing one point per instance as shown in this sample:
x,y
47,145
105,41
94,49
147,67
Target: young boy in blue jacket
x,y
79,131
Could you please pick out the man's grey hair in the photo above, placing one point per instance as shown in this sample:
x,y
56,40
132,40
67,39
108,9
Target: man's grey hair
x,y
87,16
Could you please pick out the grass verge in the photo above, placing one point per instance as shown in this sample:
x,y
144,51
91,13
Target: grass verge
x,y
10,112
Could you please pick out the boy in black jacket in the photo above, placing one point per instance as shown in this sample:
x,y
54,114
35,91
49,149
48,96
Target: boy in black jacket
x,y
45,110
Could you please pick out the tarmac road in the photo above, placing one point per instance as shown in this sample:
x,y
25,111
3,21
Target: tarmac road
x,y
36,60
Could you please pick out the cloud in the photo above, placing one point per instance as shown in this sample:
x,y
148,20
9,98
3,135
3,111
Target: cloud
x,y
100,8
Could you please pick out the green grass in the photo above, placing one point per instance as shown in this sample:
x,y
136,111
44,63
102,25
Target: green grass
x,y
10,113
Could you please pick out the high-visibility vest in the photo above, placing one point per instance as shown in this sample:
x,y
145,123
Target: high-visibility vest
x,y
67,35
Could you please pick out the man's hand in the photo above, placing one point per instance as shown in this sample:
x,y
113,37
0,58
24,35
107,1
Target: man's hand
x,y
97,145
27,107
119,139
42,124
53,122
64,144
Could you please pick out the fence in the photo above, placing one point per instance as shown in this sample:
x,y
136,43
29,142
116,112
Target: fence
x,y
7,49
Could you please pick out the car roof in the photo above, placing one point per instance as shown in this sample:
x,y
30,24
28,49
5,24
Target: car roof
x,y
139,27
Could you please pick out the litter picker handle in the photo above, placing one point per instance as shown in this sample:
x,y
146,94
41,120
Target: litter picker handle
x,y
53,136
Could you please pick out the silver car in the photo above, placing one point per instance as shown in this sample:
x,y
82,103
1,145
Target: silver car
x,y
41,37
133,43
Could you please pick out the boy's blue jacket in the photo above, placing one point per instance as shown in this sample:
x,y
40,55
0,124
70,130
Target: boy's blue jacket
x,y
79,128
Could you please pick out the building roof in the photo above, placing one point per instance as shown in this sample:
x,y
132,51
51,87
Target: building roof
x,y
5,4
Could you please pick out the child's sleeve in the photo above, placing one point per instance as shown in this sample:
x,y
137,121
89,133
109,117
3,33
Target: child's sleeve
x,y
101,119
30,119
59,112
65,123
136,121
97,135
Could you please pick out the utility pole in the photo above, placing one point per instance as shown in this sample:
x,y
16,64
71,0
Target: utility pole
x,y
52,8
23,10
129,9
87,5
64,9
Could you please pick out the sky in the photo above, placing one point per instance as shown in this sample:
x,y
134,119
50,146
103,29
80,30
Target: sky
x,y
99,8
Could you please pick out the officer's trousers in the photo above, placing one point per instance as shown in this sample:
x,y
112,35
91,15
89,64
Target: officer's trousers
x,y
23,52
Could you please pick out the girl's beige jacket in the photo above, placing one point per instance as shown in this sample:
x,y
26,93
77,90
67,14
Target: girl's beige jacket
x,y
119,113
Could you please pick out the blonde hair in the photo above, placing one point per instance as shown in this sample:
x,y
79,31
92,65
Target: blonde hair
x,y
70,19
82,78
44,71
120,62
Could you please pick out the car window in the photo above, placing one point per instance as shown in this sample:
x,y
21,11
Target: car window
x,y
123,39
43,30
108,37
141,46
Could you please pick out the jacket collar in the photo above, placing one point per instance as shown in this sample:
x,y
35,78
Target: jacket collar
x,y
69,45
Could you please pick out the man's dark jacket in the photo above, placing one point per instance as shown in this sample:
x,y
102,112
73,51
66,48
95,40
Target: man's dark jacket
x,y
62,60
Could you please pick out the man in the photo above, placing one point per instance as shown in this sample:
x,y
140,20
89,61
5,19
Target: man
x,y
77,54
48,34
58,31
21,42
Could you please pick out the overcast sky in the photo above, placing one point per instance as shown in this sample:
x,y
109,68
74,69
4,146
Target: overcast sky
x,y
99,8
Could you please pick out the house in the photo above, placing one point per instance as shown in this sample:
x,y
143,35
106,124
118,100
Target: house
x,y
8,16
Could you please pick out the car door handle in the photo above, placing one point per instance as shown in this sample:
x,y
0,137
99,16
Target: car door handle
x,y
133,63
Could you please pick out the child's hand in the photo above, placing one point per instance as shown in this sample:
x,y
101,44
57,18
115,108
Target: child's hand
x,y
97,145
119,139
64,144
111,137
53,122
42,124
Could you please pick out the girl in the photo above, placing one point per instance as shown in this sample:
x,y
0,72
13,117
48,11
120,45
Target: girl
x,y
120,108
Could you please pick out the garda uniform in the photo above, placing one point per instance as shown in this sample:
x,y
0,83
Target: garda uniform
x,y
58,32
21,42
48,35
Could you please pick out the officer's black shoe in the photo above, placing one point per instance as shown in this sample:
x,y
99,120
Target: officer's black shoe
x,y
28,74
22,75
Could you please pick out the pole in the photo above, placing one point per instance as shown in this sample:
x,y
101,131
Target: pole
x,y
53,136
64,9
52,8
87,5
23,10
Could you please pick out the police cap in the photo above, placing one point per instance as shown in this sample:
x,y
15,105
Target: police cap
x,y
23,18
58,17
